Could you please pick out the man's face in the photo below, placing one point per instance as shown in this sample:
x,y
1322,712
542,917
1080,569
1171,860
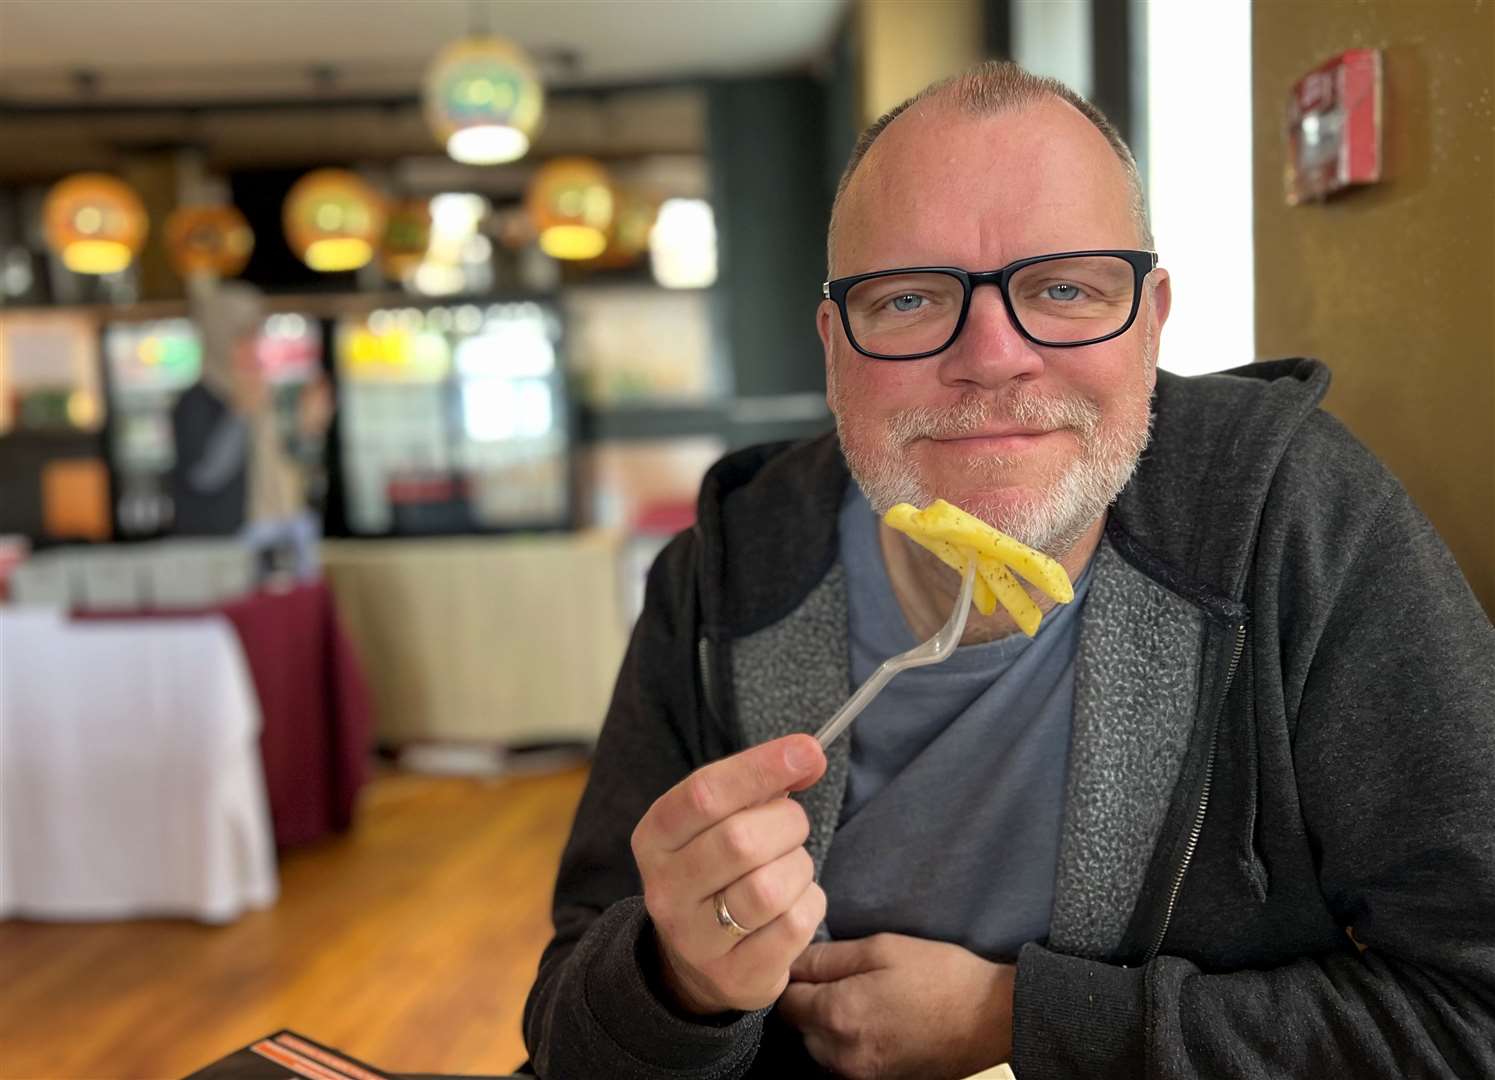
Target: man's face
x,y
1034,440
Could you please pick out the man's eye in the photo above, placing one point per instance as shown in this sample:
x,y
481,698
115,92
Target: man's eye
x,y
1062,291
906,302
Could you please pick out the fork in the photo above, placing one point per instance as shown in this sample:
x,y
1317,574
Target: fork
x,y
937,648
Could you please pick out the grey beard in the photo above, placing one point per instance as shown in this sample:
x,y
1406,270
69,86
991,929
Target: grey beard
x,y
1056,520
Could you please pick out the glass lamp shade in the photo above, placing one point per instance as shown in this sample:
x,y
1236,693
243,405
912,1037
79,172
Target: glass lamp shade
x,y
407,235
570,200
208,240
483,100
95,223
333,220
628,239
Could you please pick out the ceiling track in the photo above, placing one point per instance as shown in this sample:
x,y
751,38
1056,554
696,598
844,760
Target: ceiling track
x,y
13,108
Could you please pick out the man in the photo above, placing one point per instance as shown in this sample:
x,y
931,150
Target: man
x,y
235,473
210,481
1229,813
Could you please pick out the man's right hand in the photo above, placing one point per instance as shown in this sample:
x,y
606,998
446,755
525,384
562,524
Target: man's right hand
x,y
728,828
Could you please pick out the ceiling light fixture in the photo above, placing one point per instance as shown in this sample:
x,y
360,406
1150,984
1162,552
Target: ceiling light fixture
x,y
95,223
208,240
570,201
484,100
333,220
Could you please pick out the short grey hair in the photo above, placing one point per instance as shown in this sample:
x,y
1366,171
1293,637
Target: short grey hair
x,y
992,87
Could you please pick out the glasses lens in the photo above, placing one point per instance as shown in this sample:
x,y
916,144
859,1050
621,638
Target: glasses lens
x,y
1064,300
904,314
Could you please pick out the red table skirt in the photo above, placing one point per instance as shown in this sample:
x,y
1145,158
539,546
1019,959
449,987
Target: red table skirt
x,y
317,734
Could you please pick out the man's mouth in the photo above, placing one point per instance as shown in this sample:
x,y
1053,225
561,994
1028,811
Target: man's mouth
x,y
993,433
1004,440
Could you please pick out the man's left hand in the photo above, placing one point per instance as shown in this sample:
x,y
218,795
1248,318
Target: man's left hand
x,y
895,1006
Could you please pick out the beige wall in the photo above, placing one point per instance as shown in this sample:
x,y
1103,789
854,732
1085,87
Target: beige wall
x,y
1394,286
907,44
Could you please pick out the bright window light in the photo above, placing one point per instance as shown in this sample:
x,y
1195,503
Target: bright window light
x,y
510,348
1199,178
498,409
536,408
490,409
682,245
436,279
457,213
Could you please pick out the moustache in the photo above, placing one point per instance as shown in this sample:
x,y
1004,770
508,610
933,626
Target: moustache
x,y
973,413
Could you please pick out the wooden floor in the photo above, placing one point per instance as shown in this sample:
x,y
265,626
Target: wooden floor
x,y
410,943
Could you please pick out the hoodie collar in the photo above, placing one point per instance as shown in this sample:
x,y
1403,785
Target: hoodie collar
x,y
1190,513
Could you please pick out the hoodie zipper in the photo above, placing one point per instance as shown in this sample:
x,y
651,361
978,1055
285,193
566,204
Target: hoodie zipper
x,y
703,649
1198,827
704,653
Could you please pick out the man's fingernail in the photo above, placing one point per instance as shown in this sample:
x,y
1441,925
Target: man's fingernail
x,y
799,755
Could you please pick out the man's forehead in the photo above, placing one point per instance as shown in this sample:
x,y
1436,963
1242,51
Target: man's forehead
x,y
938,135
942,184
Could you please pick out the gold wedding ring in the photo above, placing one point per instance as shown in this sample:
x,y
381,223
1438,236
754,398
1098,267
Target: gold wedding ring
x,y
724,918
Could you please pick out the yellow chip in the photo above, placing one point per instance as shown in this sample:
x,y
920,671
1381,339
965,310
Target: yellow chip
x,y
954,536
947,522
1024,611
905,519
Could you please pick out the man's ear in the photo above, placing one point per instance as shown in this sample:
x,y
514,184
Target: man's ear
x,y
1162,295
825,326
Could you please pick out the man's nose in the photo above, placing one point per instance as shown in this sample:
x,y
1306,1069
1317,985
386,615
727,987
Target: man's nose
x,y
990,350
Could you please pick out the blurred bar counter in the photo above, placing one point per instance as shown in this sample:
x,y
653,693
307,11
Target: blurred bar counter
x,y
512,640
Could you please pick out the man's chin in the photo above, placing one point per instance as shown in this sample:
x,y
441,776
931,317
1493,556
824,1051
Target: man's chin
x,y
990,496
1007,510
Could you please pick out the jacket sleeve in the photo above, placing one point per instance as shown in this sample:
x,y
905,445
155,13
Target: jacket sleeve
x,y
1394,754
593,1010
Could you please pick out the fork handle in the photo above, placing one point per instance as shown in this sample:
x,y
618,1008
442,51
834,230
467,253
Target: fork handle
x,y
856,703
931,652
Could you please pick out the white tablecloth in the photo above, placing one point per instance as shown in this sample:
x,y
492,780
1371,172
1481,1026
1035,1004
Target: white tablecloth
x,y
131,782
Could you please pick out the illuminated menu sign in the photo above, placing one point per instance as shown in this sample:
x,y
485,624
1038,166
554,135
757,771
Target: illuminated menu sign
x,y
165,354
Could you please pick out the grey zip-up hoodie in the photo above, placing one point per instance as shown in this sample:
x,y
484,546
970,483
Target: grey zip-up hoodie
x,y
1278,849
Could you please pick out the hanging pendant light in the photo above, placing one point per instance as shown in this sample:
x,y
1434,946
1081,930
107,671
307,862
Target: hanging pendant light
x,y
95,223
333,220
407,235
484,100
570,201
212,240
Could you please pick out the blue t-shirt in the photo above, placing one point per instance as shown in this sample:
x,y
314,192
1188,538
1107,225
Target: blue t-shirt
x,y
950,828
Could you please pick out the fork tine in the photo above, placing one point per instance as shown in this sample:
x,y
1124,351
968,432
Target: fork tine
x,y
955,625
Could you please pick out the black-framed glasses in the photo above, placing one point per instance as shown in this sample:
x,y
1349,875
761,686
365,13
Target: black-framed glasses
x,y
1065,300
